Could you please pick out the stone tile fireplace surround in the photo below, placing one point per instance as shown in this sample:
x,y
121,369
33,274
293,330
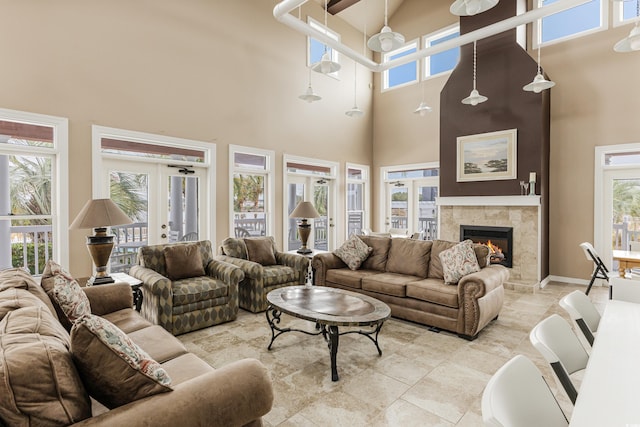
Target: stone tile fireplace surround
x,y
523,213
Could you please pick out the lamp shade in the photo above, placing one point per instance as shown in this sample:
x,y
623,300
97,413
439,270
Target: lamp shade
x,y
304,210
99,213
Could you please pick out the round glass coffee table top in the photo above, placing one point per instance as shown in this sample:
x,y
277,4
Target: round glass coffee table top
x,y
330,306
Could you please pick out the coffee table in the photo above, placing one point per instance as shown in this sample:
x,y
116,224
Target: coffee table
x,y
329,308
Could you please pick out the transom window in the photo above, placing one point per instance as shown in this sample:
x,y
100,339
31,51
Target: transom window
x,y
625,12
575,22
316,48
444,61
401,75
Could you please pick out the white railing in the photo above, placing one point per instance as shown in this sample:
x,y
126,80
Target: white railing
x,y
37,236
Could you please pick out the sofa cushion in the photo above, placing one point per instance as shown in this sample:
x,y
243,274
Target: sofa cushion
x,y
235,248
39,384
347,277
159,344
377,260
458,261
435,291
22,279
409,256
183,261
278,274
15,298
127,320
435,265
113,368
195,289
69,300
34,320
353,251
260,250
186,367
388,283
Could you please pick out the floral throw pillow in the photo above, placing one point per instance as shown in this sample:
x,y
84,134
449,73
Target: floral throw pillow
x,y
353,252
458,261
68,293
113,368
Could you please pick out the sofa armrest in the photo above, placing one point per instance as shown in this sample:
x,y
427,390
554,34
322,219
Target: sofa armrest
x,y
108,298
152,281
299,263
482,282
323,262
233,395
224,271
251,269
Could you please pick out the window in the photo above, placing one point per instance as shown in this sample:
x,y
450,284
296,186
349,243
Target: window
x,y
625,12
575,22
251,195
316,48
401,75
357,198
444,61
33,190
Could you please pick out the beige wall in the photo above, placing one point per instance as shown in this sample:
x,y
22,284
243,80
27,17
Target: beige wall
x,y
593,104
218,71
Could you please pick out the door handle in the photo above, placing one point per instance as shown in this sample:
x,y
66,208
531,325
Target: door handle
x,y
164,236
163,226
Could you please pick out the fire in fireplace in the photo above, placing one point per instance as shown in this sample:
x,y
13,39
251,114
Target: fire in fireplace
x,y
499,240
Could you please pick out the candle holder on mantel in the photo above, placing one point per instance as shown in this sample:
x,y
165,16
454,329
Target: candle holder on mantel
x,y
532,183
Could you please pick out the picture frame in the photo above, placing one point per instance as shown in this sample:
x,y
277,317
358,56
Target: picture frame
x,y
487,156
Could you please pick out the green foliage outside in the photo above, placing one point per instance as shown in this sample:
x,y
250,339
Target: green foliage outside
x,y
626,199
17,260
247,192
400,196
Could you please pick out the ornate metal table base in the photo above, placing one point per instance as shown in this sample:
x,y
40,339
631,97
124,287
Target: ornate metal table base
x,y
330,333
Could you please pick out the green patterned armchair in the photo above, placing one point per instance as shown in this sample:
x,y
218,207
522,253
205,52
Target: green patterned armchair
x,y
264,267
184,288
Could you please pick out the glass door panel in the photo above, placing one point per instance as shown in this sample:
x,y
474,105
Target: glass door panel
x,y
322,224
398,206
355,208
183,205
295,194
427,218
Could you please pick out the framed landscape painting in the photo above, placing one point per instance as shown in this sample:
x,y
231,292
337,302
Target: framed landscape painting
x,y
487,156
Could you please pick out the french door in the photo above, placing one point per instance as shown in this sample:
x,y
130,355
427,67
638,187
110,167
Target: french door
x,y
410,204
318,191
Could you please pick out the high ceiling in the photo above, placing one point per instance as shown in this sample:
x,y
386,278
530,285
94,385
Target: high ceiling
x,y
361,12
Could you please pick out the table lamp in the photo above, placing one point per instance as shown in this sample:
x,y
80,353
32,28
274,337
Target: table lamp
x,y
304,210
100,214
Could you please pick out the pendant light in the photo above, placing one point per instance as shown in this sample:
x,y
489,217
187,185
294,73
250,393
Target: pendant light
x,y
423,108
355,111
310,96
474,97
326,65
631,43
539,83
386,40
471,7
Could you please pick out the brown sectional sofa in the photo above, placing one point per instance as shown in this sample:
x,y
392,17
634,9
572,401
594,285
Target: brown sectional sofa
x,y
407,275
32,339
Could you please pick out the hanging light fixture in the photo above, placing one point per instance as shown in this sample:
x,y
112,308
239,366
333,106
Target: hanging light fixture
x,y
539,83
355,111
326,65
631,43
423,108
310,96
386,40
471,7
474,97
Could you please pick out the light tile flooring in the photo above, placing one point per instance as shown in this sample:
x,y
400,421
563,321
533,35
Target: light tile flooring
x,y
423,378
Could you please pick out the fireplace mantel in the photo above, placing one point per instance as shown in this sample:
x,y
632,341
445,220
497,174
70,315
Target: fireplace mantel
x,y
489,201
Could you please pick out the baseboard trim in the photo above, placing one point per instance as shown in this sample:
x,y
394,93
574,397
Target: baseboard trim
x,y
570,280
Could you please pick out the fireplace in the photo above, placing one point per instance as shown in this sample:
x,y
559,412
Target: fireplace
x,y
499,240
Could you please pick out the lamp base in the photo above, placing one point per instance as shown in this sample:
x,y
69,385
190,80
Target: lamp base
x,y
304,251
100,246
304,229
93,280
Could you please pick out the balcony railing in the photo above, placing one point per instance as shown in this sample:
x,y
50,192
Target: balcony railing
x,y
31,247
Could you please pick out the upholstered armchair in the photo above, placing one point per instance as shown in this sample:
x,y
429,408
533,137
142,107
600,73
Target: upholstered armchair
x,y
184,288
265,268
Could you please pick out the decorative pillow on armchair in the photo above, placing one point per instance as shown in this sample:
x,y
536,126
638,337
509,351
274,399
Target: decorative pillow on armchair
x,y
260,250
353,252
113,368
183,261
458,261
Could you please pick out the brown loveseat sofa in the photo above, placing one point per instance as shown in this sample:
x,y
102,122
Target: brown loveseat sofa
x,y
407,275
41,383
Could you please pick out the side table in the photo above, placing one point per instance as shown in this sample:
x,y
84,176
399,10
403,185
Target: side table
x,y
136,286
310,270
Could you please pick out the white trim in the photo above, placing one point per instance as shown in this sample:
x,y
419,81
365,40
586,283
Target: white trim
x,y
268,172
569,280
618,15
207,196
60,172
537,25
489,201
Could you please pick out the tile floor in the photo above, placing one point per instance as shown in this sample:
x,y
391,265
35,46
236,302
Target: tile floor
x,y
423,378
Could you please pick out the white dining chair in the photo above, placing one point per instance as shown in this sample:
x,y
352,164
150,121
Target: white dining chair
x,y
600,271
583,313
623,289
555,340
517,395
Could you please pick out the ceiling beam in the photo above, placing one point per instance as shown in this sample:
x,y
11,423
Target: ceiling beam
x,y
337,6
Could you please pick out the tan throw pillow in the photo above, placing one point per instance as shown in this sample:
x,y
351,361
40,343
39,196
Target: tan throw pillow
x,y
409,256
458,261
114,369
260,250
39,383
183,261
353,252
